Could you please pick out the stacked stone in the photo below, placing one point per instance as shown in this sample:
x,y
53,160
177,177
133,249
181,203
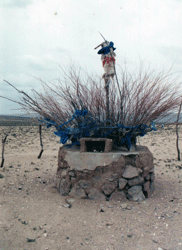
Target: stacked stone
x,y
128,177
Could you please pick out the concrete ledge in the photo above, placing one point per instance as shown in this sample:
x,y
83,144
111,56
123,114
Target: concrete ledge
x,y
87,160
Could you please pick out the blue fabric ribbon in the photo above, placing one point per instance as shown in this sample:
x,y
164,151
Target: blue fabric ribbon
x,y
97,129
106,50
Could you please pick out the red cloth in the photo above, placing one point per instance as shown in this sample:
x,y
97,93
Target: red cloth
x,y
108,60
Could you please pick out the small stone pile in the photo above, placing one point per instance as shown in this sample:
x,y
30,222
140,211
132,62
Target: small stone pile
x,y
118,176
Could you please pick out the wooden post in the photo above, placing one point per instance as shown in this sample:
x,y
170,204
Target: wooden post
x,y
177,135
41,144
107,80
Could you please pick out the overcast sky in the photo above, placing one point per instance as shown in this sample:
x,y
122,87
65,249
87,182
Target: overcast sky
x,y
38,35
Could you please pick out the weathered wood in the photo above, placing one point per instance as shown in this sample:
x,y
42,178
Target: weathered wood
x,y
177,134
41,143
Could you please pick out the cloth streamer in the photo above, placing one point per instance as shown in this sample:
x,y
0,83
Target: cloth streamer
x,y
106,50
90,127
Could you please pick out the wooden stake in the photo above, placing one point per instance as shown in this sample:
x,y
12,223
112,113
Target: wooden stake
x,y
177,135
107,97
41,144
3,146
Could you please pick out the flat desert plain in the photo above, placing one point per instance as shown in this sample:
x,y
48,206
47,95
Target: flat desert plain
x,y
34,216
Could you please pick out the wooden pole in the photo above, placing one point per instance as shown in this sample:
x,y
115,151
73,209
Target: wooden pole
x,y
106,79
41,144
3,146
177,135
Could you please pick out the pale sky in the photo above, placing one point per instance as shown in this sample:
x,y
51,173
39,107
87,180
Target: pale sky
x,y
38,35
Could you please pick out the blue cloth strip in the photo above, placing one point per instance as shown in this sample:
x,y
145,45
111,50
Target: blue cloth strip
x,y
106,50
90,127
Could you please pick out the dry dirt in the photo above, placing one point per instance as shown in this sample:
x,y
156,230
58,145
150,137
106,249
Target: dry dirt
x,y
32,210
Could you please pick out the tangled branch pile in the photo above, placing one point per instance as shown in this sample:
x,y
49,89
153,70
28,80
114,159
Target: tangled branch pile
x,y
76,106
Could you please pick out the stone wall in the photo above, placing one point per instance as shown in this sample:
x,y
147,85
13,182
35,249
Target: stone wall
x,y
104,176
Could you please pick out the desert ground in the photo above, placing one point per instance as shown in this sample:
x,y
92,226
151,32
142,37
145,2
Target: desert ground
x,y
33,215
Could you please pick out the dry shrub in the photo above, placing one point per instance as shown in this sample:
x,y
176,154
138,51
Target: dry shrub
x,y
138,100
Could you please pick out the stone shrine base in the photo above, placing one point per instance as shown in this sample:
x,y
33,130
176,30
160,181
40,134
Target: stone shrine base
x,y
105,176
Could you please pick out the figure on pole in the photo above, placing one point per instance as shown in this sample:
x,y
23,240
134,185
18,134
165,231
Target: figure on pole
x,y
108,62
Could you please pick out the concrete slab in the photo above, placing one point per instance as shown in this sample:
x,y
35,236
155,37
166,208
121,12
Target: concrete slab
x,y
90,160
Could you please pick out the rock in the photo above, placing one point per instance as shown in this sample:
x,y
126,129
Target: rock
x,y
136,181
113,177
78,192
117,196
108,188
145,159
24,222
102,208
147,189
122,183
65,205
135,193
1,176
63,173
96,178
124,206
146,171
130,172
73,179
85,184
147,177
31,240
152,176
72,174
152,187
71,200
95,194
64,187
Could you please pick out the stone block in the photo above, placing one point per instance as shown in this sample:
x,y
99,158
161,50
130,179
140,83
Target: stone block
x,y
122,183
118,196
135,193
63,173
85,184
147,189
109,187
152,176
152,187
95,194
147,177
64,187
136,181
72,173
78,192
130,172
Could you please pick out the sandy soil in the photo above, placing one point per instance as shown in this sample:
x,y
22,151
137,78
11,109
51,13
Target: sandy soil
x,y
32,210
